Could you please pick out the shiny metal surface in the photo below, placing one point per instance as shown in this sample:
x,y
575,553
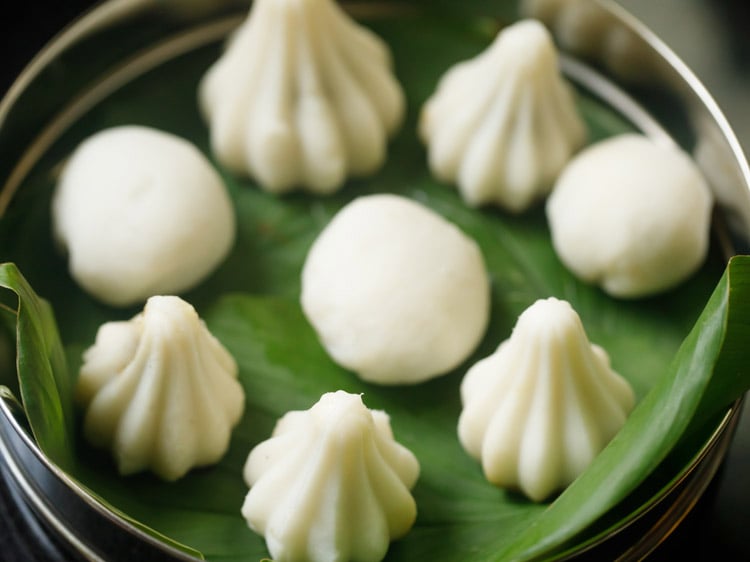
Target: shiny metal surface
x,y
712,39
91,530
121,37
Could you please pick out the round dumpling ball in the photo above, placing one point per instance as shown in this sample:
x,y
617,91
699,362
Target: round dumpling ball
x,y
141,212
395,292
631,215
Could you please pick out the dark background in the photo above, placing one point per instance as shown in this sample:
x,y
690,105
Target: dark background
x,y
26,25
710,35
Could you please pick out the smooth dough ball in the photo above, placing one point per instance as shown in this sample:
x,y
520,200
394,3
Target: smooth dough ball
x,y
395,292
631,215
141,212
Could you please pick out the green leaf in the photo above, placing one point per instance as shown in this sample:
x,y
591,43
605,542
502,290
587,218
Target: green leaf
x,y
45,385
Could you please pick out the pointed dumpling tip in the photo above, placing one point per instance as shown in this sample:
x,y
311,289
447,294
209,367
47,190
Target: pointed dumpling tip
x,y
160,391
331,483
538,410
303,97
503,124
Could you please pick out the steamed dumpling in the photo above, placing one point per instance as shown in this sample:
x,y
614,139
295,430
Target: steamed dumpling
x,y
503,124
538,410
395,292
141,212
632,215
331,484
160,391
302,97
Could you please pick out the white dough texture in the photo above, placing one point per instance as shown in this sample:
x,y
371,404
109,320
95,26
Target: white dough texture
x,y
503,124
631,215
395,292
538,410
303,97
141,212
160,391
331,484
